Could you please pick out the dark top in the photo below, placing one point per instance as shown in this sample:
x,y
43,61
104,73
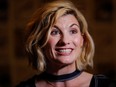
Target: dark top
x,y
97,81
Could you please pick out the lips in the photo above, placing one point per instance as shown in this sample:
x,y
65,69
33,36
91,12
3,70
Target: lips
x,y
64,51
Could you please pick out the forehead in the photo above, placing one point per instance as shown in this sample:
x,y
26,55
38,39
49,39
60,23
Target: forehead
x,y
66,19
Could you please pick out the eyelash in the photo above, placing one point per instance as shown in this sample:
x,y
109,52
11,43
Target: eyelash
x,y
55,32
74,31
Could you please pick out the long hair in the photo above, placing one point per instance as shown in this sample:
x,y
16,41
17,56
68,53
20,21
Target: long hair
x,y
39,30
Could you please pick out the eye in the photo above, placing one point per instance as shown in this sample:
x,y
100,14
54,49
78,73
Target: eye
x,y
55,32
74,31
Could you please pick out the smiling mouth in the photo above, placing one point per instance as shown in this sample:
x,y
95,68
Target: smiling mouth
x,y
64,51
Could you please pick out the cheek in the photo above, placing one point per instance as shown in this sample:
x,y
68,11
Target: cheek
x,y
51,42
78,41
49,49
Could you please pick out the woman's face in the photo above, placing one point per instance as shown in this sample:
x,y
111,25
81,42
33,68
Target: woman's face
x,y
65,41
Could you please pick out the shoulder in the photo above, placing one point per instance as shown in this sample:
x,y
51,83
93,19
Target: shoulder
x,y
102,81
28,83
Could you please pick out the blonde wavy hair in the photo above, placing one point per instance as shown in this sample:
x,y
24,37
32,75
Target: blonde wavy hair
x,y
38,30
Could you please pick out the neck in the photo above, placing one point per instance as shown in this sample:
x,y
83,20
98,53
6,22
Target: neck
x,y
61,78
83,80
60,70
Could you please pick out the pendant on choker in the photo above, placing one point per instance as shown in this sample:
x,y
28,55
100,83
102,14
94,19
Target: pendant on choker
x,y
60,78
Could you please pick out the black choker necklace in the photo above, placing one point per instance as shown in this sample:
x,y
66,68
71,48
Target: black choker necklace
x,y
60,78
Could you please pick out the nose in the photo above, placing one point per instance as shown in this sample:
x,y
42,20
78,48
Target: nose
x,y
64,40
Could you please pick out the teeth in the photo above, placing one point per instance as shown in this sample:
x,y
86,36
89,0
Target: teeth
x,y
65,50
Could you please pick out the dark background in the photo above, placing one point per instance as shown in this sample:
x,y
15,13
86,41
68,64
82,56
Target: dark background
x,y
14,15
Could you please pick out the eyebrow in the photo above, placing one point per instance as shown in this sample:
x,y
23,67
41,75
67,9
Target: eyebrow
x,y
75,24
56,26
70,26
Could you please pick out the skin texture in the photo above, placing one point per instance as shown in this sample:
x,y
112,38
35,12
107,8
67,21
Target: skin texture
x,y
65,44
63,48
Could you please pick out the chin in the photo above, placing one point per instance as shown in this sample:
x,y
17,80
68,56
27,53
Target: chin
x,y
67,62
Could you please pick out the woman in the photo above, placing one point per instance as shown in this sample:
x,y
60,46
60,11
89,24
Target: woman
x,y
60,48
